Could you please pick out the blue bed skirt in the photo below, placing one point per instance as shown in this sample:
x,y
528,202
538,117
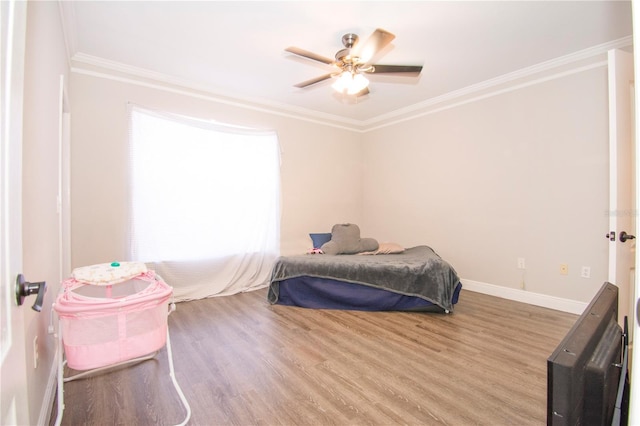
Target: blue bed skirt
x,y
320,293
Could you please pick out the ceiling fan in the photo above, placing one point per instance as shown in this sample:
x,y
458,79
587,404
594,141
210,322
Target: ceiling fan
x,y
354,61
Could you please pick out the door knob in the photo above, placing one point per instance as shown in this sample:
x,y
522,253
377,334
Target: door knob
x,y
624,236
24,289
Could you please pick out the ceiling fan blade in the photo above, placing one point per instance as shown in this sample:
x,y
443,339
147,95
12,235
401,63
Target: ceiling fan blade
x,y
375,43
314,80
309,55
388,69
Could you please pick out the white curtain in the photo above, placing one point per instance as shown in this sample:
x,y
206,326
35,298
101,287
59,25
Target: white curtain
x,y
204,202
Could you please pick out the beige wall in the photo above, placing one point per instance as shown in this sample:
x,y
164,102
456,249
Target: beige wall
x,y
321,166
45,62
522,173
519,174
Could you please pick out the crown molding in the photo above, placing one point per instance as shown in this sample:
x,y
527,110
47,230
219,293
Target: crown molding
x,y
556,68
420,109
478,96
68,18
103,68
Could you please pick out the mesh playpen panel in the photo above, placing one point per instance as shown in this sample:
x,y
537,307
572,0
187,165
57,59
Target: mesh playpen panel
x,y
104,325
110,314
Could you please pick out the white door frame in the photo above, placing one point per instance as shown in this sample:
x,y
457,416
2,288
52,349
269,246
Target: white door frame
x,y
634,401
14,405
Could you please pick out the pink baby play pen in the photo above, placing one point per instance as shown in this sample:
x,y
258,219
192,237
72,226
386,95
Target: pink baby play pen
x,y
112,314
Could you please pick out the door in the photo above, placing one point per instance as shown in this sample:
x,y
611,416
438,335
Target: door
x,y
13,392
621,181
634,399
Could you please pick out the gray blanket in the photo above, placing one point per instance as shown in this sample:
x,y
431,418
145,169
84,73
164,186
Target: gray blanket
x,y
418,271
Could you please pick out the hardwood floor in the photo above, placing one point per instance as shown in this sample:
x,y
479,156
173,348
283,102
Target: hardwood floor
x,y
241,361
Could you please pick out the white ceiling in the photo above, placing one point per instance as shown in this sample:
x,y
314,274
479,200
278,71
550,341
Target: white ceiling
x,y
236,48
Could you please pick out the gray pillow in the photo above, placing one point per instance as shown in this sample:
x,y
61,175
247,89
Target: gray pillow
x,y
345,239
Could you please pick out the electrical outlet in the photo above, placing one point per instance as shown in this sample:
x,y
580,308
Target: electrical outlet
x,y
586,272
521,263
564,269
35,352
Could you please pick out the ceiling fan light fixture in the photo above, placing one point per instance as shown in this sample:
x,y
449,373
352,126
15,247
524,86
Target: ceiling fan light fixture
x,y
350,83
342,82
352,63
358,84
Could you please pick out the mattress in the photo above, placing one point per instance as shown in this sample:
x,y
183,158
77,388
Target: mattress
x,y
414,279
321,293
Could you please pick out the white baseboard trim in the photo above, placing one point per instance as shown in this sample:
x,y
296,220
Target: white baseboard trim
x,y
50,394
537,299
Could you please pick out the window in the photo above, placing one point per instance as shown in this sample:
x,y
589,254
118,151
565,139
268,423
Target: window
x,y
201,191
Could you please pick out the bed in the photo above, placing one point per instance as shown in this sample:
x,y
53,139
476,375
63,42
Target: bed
x,y
416,279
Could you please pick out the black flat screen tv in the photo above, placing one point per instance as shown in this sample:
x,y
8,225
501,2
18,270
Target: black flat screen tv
x,y
587,380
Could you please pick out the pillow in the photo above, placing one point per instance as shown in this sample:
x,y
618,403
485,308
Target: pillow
x,y
386,248
320,239
345,239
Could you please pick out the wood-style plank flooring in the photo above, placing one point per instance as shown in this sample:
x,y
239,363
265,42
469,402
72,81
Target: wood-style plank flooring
x,y
242,361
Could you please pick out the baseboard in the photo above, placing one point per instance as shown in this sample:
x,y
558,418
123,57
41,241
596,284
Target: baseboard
x,y
50,394
537,299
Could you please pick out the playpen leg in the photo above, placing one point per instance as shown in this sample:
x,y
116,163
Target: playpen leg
x,y
109,367
60,377
175,382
